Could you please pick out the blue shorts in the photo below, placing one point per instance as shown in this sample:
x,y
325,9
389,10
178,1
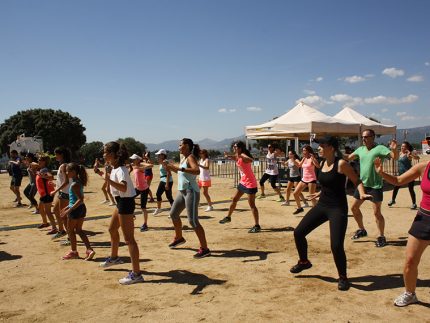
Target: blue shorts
x,y
78,213
246,190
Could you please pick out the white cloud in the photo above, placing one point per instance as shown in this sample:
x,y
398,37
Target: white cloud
x,y
393,72
427,63
369,76
384,110
386,120
415,78
318,79
399,114
347,99
408,118
253,109
354,79
224,110
313,100
309,92
381,99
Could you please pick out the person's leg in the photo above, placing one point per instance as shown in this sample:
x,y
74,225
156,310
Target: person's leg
x,y
43,213
159,193
412,193
169,193
63,204
149,181
338,222
393,197
71,231
288,191
254,210
17,193
192,200
112,199
356,212
81,233
206,194
233,204
297,192
143,202
414,250
49,214
57,210
114,234
312,189
32,194
27,193
263,179
312,220
175,211
104,190
380,221
127,225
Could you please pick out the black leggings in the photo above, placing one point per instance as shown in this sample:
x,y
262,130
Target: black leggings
x,y
30,191
338,221
161,189
411,192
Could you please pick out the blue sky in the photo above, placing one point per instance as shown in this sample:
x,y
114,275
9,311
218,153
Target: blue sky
x,y
160,70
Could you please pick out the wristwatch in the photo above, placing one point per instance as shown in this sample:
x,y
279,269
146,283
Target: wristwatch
x,y
183,169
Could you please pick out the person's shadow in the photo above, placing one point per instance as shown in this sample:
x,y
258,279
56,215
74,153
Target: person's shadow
x,y
184,277
371,283
249,255
5,256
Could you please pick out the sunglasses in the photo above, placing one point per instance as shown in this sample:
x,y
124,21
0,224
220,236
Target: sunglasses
x,y
366,137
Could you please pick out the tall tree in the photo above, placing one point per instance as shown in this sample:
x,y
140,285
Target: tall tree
x,y
133,146
56,127
90,151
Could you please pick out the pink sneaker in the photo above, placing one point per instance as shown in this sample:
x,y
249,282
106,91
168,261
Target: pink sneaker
x,y
90,254
71,255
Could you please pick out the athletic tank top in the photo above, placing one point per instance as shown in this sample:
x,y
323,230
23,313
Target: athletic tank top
x,y
332,187
61,178
425,187
72,196
294,170
140,182
404,164
205,174
308,171
272,165
163,175
187,181
247,177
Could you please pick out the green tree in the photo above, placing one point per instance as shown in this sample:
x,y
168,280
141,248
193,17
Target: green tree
x,y
90,151
56,127
133,146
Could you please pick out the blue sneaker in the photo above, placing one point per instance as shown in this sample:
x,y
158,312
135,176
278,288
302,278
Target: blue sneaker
x,y
132,278
109,262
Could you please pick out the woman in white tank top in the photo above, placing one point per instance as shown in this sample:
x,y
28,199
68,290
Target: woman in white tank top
x,y
205,177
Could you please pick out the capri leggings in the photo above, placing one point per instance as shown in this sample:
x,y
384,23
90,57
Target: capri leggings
x,y
161,189
411,192
188,199
30,192
338,221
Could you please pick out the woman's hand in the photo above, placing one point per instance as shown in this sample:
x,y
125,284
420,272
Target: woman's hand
x,y
65,212
313,196
378,165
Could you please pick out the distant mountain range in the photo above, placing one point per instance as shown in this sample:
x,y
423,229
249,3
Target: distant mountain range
x,y
414,136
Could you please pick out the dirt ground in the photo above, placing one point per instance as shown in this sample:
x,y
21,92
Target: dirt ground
x,y
246,279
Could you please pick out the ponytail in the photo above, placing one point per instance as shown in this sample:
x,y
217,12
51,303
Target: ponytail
x,y
194,148
81,172
120,151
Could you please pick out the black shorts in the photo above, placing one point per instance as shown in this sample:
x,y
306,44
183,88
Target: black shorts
x,y
311,182
376,193
273,179
46,199
420,228
125,205
143,197
246,190
294,179
78,213
16,181
63,196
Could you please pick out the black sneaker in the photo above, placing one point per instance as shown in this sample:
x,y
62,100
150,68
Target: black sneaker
x,y
144,227
360,233
343,283
392,202
225,220
300,267
381,242
299,210
177,242
413,206
202,253
255,229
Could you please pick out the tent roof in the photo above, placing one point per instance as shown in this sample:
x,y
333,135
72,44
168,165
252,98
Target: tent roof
x,y
351,115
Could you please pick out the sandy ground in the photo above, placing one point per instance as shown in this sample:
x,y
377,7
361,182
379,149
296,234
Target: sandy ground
x,y
247,277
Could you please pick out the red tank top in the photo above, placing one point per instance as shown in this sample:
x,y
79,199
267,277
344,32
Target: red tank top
x,y
425,187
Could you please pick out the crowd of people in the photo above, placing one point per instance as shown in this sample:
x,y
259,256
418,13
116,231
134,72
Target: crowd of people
x,y
126,178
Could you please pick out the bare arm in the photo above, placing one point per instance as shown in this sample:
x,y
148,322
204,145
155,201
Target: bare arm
x,y
346,169
349,157
205,164
246,158
414,172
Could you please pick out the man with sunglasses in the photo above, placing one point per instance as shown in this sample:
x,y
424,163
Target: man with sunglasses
x,y
372,182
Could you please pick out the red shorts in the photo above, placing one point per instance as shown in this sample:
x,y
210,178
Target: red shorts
x,y
205,183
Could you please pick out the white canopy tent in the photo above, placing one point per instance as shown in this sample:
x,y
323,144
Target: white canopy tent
x,y
351,115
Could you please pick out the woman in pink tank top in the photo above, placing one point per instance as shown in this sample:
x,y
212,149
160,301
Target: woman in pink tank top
x,y
309,178
419,233
247,184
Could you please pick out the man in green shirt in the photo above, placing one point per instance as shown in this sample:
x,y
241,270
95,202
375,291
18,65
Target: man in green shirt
x,y
372,182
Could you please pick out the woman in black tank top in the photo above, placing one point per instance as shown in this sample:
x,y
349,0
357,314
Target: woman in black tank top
x,y
332,206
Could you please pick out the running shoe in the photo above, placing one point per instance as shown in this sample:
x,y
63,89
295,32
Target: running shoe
x,y
52,231
90,254
306,204
256,228
360,233
406,299
286,203
299,210
381,242
225,220
261,196
209,208
392,202
177,242
104,202
109,262
65,242
202,253
43,225
280,199
71,255
144,227
300,266
343,284
413,207
35,211
111,204
156,211
19,204
59,234
131,278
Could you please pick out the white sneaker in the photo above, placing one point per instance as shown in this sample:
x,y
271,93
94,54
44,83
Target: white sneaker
x,y
286,203
35,211
156,211
109,262
104,201
131,278
405,299
209,208
306,204
111,204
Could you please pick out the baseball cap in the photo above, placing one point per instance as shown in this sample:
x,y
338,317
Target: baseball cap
x,y
329,140
161,152
134,156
